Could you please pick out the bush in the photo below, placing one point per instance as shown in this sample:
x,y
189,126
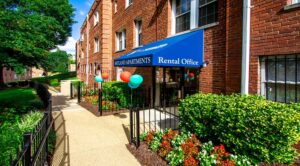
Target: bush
x,y
249,125
11,135
54,82
117,91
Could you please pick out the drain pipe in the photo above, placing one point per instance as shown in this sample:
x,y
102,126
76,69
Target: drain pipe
x,y
87,49
246,47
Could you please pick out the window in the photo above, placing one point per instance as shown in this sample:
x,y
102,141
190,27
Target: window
x,y
82,54
138,33
280,78
116,6
82,37
121,40
190,14
91,68
97,45
295,1
183,14
128,3
208,12
95,68
96,18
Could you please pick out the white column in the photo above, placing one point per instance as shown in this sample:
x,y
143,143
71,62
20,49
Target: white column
x,y
246,47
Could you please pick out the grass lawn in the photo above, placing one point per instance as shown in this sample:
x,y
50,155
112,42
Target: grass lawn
x,y
16,102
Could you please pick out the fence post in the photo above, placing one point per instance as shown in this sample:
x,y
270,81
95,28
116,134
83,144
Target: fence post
x,y
78,93
100,100
47,114
137,127
131,125
27,145
71,90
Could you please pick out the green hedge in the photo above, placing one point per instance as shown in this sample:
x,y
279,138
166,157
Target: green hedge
x,y
55,79
249,125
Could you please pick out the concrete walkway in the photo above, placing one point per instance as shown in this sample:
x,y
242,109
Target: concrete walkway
x,y
83,139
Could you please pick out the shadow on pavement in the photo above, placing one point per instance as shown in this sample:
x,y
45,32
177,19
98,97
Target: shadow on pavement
x,y
62,149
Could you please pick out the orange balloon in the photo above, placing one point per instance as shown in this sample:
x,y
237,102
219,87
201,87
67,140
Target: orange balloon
x,y
105,75
125,76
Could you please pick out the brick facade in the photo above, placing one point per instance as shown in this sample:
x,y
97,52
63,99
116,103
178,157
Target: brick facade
x,y
10,76
274,31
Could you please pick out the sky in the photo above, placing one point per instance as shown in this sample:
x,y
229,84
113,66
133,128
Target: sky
x,y
82,7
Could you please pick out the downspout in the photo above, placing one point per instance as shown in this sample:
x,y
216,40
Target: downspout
x,y
87,49
246,47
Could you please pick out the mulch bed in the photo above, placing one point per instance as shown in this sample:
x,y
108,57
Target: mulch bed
x,y
94,109
145,156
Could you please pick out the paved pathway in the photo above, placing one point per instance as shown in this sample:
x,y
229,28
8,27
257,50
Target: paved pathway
x,y
84,139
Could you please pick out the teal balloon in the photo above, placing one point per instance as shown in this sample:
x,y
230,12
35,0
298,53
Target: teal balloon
x,y
133,86
98,79
136,80
193,78
186,76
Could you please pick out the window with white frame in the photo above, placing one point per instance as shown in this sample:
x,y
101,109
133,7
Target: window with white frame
x,y
97,45
95,68
116,6
121,40
183,15
96,18
208,12
295,1
138,33
128,3
190,14
280,78
82,37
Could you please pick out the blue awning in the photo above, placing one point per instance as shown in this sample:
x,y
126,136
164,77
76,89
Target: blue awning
x,y
184,50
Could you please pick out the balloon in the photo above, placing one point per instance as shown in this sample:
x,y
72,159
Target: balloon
x,y
136,79
191,75
193,78
98,79
186,76
125,76
133,86
105,75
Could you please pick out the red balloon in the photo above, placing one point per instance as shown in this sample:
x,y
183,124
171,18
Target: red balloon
x,y
191,75
125,76
105,75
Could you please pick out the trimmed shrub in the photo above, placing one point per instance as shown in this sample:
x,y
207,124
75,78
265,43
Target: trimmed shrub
x,y
249,125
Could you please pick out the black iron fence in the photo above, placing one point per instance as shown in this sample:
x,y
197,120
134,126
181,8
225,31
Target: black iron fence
x,y
109,99
145,119
34,150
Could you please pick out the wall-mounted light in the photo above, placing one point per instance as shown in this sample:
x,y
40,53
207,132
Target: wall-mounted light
x,y
205,63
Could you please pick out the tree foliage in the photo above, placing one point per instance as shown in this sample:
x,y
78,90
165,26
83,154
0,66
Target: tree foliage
x,y
30,28
57,61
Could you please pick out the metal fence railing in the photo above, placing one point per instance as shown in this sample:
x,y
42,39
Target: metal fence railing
x,y
34,150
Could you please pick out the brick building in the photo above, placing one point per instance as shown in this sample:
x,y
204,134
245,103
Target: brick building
x,y
10,76
116,27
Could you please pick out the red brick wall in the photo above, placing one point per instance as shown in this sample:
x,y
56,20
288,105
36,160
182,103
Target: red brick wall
x,y
274,31
155,26
9,75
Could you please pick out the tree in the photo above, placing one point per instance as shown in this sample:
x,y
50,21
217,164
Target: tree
x,y
57,61
30,28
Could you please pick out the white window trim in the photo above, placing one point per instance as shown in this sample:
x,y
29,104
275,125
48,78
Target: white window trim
x,y
295,1
96,18
127,3
123,38
137,32
115,6
194,17
97,45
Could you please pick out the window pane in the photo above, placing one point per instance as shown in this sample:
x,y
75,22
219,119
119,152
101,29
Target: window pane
x,y
270,91
290,69
208,14
183,22
298,69
182,6
270,68
280,70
